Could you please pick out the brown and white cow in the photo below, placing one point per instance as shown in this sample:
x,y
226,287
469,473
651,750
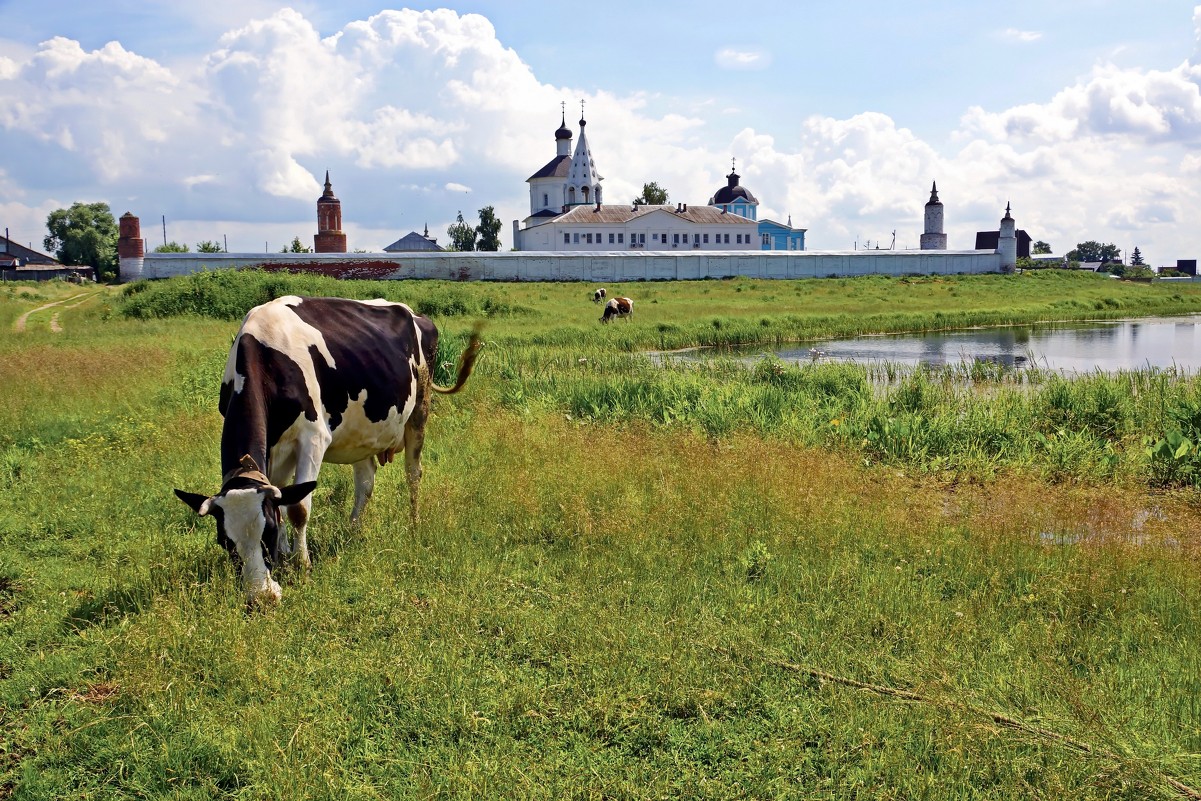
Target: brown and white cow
x,y
599,295
617,307
313,380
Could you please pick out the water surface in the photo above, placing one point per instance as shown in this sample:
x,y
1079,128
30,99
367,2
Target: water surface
x,y
1078,347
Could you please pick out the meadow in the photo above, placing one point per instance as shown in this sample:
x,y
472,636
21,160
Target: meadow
x,y
632,579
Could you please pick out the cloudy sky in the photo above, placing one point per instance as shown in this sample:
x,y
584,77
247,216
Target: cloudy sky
x,y
222,116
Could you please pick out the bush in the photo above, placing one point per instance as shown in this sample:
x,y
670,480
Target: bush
x,y
1140,273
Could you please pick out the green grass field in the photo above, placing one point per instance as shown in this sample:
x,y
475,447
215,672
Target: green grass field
x,y
631,581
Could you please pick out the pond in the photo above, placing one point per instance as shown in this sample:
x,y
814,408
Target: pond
x,y
1082,347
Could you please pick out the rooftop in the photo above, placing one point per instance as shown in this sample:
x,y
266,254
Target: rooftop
x,y
623,213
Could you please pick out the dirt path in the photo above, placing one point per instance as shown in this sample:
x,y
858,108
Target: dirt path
x,y
55,326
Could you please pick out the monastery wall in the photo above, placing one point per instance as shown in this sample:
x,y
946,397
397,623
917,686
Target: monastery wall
x,y
575,266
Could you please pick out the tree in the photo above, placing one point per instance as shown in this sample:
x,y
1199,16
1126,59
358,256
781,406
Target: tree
x,y
171,247
1136,258
85,234
1041,247
462,235
1140,273
652,195
488,230
1095,251
208,246
296,247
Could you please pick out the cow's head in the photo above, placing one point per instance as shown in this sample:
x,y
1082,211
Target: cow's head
x,y
249,522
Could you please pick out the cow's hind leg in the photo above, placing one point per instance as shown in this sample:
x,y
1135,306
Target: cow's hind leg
x,y
415,439
364,485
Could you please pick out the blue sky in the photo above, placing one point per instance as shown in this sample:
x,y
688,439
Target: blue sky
x,y
222,116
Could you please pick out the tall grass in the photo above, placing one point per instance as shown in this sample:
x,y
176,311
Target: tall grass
x,y
1098,427
589,614
631,580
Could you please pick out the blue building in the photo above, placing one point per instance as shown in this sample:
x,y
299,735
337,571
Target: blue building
x,y
778,236
733,198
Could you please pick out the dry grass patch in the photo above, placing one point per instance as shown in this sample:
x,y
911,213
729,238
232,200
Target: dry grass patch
x,y
1015,507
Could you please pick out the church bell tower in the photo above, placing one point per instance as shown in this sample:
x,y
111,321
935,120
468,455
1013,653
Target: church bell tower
x,y
934,238
329,237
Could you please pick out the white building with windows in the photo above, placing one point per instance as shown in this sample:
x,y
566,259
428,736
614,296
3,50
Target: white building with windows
x,y
567,212
630,227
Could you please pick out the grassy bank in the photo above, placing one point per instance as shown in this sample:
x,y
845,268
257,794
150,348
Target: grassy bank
x,y
548,354
686,313
631,582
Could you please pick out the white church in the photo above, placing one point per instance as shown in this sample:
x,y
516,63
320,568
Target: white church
x,y
568,213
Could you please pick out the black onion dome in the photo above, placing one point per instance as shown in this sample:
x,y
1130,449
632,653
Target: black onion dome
x,y
564,132
732,192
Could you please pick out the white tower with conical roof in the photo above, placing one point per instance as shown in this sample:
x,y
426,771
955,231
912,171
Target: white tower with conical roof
x,y
934,238
1007,243
583,181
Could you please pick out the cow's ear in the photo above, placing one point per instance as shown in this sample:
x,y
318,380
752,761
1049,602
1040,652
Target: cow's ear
x,y
287,496
199,503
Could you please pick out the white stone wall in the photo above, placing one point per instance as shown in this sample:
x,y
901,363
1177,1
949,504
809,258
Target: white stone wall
x,y
610,266
933,242
131,268
553,188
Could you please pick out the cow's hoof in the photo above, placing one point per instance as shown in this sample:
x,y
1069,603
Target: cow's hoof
x,y
266,598
301,565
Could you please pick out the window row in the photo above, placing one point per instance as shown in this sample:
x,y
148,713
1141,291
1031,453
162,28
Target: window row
x,y
587,239
576,238
785,243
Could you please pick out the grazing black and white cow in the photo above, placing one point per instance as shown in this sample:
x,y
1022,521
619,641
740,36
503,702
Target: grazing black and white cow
x,y
312,380
617,307
599,295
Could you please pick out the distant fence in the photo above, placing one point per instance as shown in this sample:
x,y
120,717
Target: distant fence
x,y
575,266
66,273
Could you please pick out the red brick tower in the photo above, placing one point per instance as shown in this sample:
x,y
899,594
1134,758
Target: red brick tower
x,y
131,248
329,237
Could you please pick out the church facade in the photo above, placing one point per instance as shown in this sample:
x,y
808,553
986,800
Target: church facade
x,y
568,213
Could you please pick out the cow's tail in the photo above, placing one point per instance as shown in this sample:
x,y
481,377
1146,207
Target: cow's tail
x,y
466,362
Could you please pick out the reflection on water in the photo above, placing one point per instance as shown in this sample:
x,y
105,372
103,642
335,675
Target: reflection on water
x,y
1062,347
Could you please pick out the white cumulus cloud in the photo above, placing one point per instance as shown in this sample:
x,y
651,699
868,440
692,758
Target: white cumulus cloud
x,y
1152,104
733,58
1023,37
410,110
